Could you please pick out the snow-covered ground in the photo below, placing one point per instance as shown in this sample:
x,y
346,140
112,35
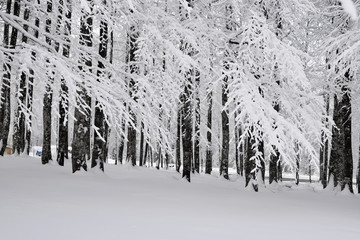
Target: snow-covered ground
x,y
48,202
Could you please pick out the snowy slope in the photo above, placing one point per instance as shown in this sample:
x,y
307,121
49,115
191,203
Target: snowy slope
x,y
48,202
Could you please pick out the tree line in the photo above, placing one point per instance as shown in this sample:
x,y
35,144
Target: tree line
x,y
255,85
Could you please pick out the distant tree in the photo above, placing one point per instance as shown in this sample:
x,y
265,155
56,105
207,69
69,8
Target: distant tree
x,y
208,163
178,140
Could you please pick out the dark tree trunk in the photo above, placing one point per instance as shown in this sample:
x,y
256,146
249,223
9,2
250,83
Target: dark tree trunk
x,y
19,129
297,176
273,167
158,158
224,161
121,150
324,157
146,152
262,169
358,177
5,88
131,145
141,160
321,157
167,158
237,137
131,59
178,146
249,163
242,155
347,173
63,127
341,164
225,132
63,104
186,111
100,136
197,124
46,148
187,130
208,164
81,139
47,103
30,91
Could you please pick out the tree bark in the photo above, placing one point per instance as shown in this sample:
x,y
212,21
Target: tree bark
x,y
237,163
131,58
178,141
208,164
225,132
30,92
63,143
5,88
325,147
197,124
100,136
47,102
187,130
20,127
341,164
81,139
186,111
242,154
249,163
141,160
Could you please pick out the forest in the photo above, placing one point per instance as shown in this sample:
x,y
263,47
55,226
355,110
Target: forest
x,y
263,87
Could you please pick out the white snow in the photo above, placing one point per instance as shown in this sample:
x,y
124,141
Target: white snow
x,y
48,202
350,8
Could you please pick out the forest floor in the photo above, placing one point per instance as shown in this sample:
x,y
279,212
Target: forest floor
x,y
48,203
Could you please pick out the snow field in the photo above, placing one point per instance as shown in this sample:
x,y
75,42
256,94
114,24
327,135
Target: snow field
x,y
48,202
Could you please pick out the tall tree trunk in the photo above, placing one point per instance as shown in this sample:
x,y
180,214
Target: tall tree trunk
x,y
224,161
237,163
81,140
47,102
187,130
131,59
30,92
225,132
341,163
249,163
146,152
63,104
186,111
262,169
297,176
242,154
5,88
121,150
208,164
197,123
178,141
19,129
100,136
141,161
358,176
324,154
